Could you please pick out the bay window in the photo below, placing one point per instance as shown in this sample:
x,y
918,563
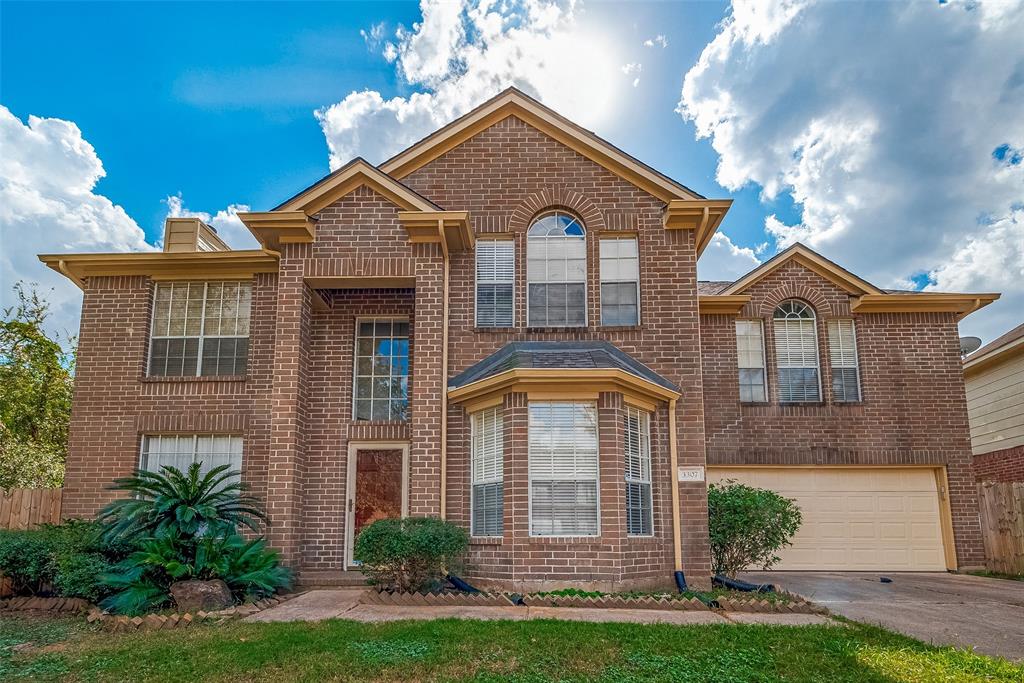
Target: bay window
x,y
563,469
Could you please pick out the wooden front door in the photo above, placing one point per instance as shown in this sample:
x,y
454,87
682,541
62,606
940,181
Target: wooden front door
x,y
378,487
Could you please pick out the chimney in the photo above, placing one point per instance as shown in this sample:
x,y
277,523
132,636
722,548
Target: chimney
x,y
191,235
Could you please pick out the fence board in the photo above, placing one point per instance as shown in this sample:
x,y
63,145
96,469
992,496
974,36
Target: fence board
x,y
1002,525
28,508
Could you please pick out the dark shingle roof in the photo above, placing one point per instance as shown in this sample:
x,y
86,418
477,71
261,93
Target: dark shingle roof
x,y
711,287
563,355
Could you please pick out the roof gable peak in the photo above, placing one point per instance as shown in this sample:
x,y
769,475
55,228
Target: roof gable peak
x,y
811,260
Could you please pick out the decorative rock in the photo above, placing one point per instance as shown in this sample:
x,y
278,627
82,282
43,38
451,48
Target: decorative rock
x,y
205,595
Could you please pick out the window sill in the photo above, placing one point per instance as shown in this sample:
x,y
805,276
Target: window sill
x,y
754,404
621,328
379,422
564,328
486,540
562,540
163,379
494,330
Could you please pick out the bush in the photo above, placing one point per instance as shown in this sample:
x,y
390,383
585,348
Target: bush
x,y
748,526
409,554
27,559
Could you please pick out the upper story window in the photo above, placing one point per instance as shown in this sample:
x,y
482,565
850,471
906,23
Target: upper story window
x,y
796,352
556,271
750,361
495,278
620,281
382,370
842,348
200,328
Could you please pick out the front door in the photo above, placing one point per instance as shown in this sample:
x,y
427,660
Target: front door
x,y
376,487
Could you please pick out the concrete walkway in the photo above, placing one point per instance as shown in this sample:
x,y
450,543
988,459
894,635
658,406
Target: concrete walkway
x,y
943,609
318,605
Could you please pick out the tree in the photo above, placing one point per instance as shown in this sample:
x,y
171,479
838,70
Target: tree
x,y
748,526
36,379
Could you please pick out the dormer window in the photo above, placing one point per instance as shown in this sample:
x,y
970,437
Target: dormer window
x,y
796,352
556,271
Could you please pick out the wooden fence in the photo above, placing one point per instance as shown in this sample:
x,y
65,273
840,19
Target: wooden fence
x,y
1002,525
27,508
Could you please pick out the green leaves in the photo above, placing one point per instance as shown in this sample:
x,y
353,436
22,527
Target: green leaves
x,y
409,554
748,526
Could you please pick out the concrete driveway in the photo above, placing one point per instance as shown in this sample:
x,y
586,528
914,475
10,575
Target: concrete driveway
x,y
943,609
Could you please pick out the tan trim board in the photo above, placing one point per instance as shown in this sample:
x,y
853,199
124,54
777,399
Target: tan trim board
x,y
346,179
810,260
922,302
946,518
451,227
274,228
206,265
571,383
703,216
974,365
720,304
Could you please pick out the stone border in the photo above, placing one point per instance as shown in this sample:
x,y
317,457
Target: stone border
x,y
377,597
614,602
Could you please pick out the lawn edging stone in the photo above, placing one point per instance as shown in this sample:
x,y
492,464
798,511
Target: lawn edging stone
x,y
397,599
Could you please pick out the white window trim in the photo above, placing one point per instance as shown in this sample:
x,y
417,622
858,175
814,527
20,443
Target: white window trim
x,y
856,358
639,311
586,276
350,487
472,470
529,480
817,354
476,285
645,420
202,326
764,361
355,361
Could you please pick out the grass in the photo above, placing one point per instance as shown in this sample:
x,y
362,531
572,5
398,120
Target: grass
x,y
998,575
487,651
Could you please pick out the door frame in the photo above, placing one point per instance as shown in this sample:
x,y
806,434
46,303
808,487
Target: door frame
x,y
350,486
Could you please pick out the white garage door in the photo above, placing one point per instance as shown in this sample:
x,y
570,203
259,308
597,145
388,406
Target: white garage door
x,y
855,519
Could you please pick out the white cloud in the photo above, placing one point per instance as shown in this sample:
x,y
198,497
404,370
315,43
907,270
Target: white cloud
x,y
880,121
633,69
48,173
723,260
659,40
461,54
226,222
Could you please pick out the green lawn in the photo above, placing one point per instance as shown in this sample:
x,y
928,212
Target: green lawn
x,y
485,651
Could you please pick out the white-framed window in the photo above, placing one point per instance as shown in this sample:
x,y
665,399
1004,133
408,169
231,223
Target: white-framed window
x,y
620,281
842,347
487,505
563,469
381,370
181,450
556,271
796,352
199,328
495,283
750,361
639,506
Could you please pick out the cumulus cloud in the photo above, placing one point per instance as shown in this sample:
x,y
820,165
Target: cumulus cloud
x,y
659,40
462,53
892,126
226,222
48,174
723,260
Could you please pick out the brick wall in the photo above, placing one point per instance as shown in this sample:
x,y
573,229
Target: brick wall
x,y
1003,465
913,410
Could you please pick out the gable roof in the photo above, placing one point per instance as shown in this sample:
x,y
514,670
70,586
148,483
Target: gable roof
x,y
514,102
809,259
1002,347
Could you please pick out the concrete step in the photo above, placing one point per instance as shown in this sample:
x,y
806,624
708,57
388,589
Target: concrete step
x,y
329,578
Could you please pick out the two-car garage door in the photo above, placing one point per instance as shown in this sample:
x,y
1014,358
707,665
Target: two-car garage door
x,y
855,519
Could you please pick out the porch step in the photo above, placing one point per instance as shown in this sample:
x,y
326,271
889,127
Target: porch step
x,y
329,578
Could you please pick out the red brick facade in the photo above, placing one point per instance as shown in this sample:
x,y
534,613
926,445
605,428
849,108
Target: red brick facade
x,y
1004,465
294,405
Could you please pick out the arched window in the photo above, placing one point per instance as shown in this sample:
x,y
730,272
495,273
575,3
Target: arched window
x,y
796,352
556,271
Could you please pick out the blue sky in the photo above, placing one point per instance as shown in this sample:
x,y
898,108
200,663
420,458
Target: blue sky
x,y
784,111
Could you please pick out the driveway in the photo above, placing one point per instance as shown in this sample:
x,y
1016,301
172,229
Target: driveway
x,y
944,609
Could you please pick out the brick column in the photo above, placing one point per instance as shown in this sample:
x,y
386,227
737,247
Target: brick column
x,y
286,469
427,384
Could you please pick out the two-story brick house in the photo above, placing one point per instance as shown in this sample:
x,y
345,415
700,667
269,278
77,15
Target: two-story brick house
x,y
502,326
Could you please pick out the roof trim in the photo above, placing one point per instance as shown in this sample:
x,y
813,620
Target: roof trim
x,y
923,302
564,380
721,304
204,265
513,102
811,260
974,363
703,216
352,175
450,228
274,228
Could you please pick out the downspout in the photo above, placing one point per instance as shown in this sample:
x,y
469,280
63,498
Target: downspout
x,y
444,373
673,455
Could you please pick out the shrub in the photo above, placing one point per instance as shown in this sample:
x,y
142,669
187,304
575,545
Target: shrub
x,y
409,554
748,526
27,559
78,576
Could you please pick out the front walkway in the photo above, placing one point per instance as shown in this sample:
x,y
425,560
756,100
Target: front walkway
x,y
318,605
938,608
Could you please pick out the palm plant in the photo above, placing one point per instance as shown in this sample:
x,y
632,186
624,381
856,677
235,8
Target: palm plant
x,y
183,505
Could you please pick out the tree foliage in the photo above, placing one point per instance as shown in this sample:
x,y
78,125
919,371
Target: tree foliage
x,y
748,526
36,374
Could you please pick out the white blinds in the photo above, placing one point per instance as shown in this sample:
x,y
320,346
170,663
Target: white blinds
x,y
180,451
796,352
563,469
487,474
842,347
495,277
750,361
639,510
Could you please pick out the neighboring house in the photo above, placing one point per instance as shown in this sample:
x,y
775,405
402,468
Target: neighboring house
x,y
994,375
502,326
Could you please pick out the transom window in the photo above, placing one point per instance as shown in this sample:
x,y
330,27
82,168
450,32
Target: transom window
x,y
181,450
620,281
488,470
563,469
556,271
796,352
200,328
382,370
639,509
